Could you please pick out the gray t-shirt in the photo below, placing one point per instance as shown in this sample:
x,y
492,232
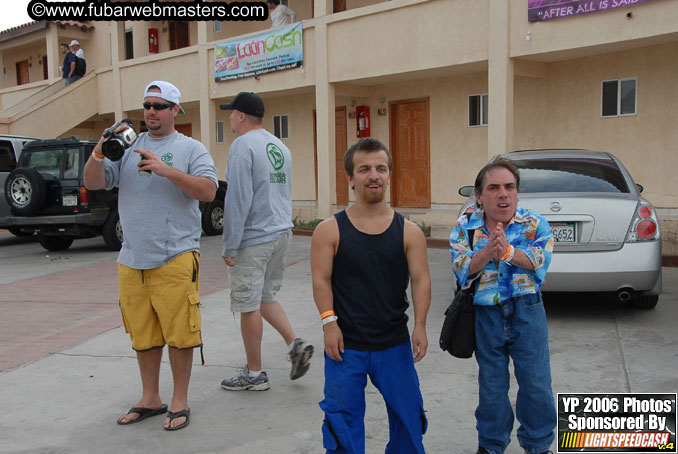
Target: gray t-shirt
x,y
159,221
258,206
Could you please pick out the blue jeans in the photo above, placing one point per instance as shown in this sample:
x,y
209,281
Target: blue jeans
x,y
515,328
72,79
392,372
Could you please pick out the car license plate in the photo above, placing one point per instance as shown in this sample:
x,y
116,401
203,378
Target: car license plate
x,y
563,232
70,200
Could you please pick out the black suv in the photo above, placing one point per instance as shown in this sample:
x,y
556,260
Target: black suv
x,y
47,194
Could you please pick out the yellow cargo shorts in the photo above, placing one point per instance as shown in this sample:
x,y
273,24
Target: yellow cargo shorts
x,y
162,305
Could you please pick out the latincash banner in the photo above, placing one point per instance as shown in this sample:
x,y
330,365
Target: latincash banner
x,y
540,10
275,50
617,423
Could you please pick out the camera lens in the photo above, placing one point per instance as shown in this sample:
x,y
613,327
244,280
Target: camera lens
x,y
113,148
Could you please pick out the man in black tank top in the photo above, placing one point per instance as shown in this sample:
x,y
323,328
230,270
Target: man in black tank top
x,y
361,260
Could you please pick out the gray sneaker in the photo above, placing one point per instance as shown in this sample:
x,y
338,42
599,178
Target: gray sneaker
x,y
243,382
300,356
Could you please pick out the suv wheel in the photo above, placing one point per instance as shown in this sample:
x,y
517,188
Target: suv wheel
x,y
55,243
112,231
213,217
25,190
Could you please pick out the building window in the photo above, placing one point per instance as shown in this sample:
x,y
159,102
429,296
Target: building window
x,y
280,129
220,132
217,26
129,44
477,110
619,97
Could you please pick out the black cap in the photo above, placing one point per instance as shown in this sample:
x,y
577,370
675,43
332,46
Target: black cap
x,y
249,103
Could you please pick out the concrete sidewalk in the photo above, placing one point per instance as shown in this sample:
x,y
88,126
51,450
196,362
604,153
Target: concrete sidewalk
x,y
68,402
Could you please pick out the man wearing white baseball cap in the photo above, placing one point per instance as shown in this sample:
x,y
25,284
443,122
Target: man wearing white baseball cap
x,y
161,177
75,46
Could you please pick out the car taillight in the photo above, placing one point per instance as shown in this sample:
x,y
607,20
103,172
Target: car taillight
x,y
83,195
644,211
646,229
645,226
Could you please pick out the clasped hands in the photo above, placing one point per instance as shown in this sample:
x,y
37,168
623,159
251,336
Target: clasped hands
x,y
498,245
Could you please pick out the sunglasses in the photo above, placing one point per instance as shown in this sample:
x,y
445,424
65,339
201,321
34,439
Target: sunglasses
x,y
158,105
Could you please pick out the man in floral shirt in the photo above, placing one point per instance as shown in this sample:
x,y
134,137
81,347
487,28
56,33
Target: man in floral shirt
x,y
511,253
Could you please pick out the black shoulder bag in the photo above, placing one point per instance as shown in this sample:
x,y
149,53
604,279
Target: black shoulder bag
x,y
458,336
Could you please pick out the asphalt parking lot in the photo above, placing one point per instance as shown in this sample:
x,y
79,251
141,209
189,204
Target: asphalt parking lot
x,y
67,370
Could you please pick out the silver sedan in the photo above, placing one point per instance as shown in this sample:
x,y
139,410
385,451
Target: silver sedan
x,y
607,235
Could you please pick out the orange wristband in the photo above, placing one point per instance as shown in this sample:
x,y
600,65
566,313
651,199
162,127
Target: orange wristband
x,y
508,253
326,314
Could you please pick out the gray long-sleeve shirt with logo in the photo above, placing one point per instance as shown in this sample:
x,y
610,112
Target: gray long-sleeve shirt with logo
x,y
258,205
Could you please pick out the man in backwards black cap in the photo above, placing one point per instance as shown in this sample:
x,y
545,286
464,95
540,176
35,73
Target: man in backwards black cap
x,y
257,232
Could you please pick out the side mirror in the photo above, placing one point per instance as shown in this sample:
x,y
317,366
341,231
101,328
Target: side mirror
x,y
640,187
466,191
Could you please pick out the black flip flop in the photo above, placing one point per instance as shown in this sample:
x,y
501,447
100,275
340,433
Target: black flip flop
x,y
143,413
182,413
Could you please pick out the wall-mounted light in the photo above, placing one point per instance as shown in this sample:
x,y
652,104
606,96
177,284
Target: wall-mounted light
x,y
382,110
528,36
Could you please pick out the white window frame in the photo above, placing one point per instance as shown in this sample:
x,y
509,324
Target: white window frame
x,y
216,26
619,101
279,118
219,131
483,114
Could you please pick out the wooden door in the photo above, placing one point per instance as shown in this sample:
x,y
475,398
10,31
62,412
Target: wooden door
x,y
339,6
22,72
178,35
186,129
410,146
340,148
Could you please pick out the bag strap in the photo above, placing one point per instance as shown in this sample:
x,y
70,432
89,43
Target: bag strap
x,y
470,234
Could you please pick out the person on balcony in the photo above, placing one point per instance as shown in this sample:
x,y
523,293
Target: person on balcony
x,y
280,14
75,46
68,66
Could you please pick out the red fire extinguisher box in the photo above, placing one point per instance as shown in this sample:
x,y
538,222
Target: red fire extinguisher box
x,y
153,42
362,118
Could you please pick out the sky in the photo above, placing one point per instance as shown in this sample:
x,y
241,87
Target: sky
x,y
13,14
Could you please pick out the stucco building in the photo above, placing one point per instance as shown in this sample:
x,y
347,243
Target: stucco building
x,y
448,83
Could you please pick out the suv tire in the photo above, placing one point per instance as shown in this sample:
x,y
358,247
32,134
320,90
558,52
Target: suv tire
x,y
213,217
25,190
112,231
55,243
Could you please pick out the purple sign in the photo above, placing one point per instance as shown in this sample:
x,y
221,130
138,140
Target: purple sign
x,y
539,10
